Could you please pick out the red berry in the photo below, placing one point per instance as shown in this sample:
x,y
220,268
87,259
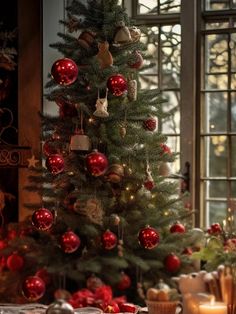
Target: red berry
x,y
112,307
172,263
177,228
125,282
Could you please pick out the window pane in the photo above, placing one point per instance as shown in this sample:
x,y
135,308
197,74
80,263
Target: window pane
x,y
217,189
214,154
233,155
174,143
233,81
217,25
216,211
233,52
170,47
216,53
216,4
214,113
169,6
216,82
233,112
171,124
148,81
233,189
147,7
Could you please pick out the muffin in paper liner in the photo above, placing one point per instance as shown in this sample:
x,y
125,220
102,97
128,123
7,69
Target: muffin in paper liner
x,y
167,307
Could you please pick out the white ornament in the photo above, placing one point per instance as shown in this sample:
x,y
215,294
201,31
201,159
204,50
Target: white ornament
x,y
101,107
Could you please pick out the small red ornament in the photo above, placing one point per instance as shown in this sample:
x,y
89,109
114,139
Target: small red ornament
x,y
150,124
124,283
177,228
42,219
55,164
109,240
148,237
117,84
33,288
64,71
128,308
15,262
137,60
70,242
149,183
52,146
112,307
215,229
3,263
172,263
96,163
44,275
165,149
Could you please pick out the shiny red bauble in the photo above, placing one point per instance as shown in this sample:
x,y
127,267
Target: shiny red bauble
x,y
149,184
117,84
177,228
96,163
3,244
64,71
128,308
70,242
15,262
215,229
124,283
42,219
165,149
148,237
172,263
55,164
44,275
137,60
33,288
109,240
52,145
150,124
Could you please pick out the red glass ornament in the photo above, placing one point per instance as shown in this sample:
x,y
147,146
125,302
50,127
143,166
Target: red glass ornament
x,y
128,308
11,234
172,263
148,237
215,229
33,288
149,184
64,71
117,84
42,219
150,124
165,149
55,164
125,282
15,262
70,242
52,146
177,228
44,275
109,240
96,163
3,263
137,60
66,109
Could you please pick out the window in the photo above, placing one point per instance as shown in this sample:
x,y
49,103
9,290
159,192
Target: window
x,y
218,110
195,46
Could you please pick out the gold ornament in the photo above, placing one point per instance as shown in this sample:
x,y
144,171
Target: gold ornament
x,y
104,56
164,169
122,35
135,33
123,130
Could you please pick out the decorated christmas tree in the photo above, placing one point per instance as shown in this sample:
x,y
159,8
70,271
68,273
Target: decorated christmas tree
x,y
110,215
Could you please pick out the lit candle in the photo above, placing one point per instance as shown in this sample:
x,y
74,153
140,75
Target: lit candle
x,y
213,307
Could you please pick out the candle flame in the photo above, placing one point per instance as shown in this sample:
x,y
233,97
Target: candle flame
x,y
212,301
